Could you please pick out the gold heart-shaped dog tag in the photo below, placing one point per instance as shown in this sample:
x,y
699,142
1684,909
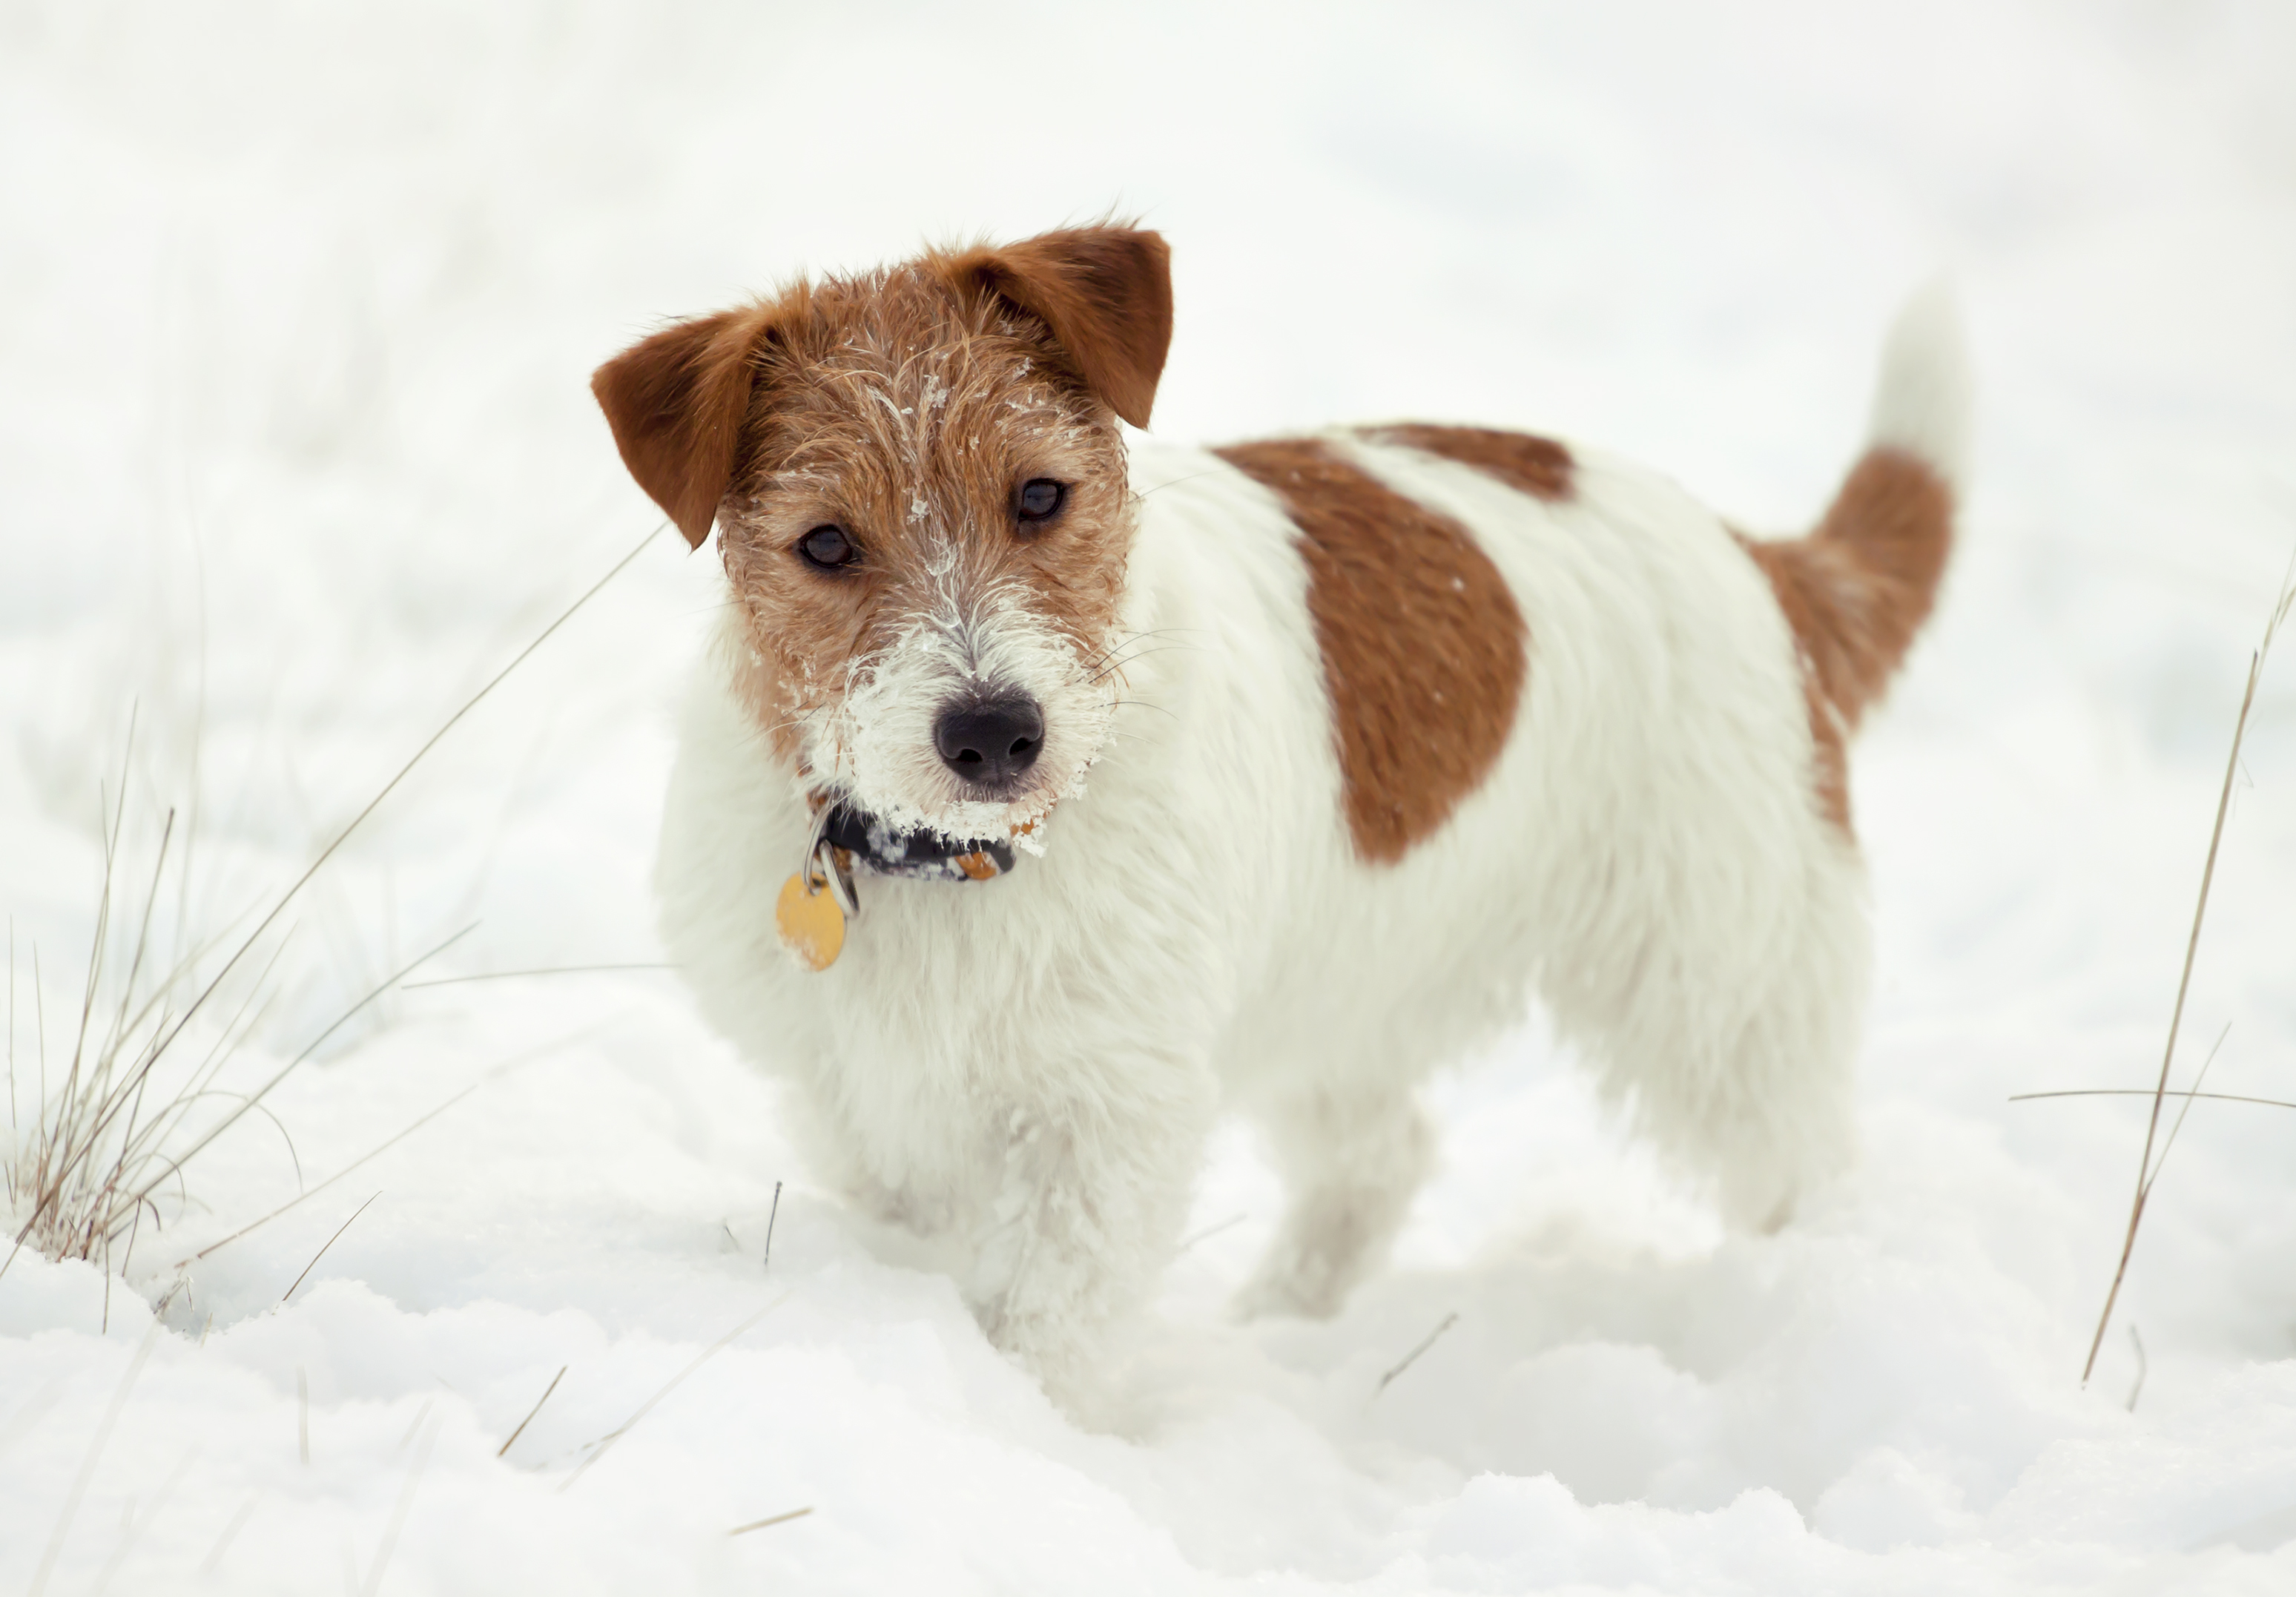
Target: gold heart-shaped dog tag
x,y
811,925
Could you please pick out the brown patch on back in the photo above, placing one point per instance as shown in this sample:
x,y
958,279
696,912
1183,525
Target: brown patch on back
x,y
1422,645
1538,466
1855,592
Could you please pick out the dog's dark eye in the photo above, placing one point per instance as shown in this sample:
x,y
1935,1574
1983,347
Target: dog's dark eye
x,y
828,547
1040,499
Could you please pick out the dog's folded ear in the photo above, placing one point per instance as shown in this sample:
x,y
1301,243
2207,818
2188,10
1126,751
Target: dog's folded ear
x,y
1104,292
676,402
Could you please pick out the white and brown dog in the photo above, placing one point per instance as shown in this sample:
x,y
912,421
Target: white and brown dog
x,y
1326,754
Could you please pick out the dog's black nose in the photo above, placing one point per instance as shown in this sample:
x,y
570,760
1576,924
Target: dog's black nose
x,y
992,741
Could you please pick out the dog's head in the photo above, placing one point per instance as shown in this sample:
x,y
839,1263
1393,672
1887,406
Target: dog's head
x,y
920,500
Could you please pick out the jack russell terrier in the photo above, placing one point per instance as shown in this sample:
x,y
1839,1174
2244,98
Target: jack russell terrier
x,y
1045,791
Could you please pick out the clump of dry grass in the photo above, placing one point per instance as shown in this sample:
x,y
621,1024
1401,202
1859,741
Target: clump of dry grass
x,y
142,1094
84,1176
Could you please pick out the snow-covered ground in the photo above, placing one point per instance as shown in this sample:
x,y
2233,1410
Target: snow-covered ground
x,y
297,306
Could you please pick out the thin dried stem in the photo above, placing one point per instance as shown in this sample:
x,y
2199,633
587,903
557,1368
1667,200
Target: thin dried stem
x,y
400,1511
1411,1358
2222,1097
11,1044
232,1528
524,1056
322,1254
505,975
743,1530
2145,1168
531,1412
2185,1108
415,759
331,1179
605,1444
87,1462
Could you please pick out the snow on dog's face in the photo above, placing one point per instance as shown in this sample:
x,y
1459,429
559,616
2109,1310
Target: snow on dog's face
x,y
922,503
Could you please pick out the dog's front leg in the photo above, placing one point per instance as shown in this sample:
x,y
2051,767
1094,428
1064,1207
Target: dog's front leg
x,y
1091,1190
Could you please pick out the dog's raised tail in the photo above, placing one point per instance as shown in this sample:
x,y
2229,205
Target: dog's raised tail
x,y
1857,588
1922,403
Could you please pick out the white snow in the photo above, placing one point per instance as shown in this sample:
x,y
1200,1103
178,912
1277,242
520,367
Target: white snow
x,y
297,306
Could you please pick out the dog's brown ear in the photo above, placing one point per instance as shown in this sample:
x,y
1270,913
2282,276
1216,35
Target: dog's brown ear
x,y
676,402
1106,294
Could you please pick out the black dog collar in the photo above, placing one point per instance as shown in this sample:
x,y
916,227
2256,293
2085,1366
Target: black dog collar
x,y
925,854
816,903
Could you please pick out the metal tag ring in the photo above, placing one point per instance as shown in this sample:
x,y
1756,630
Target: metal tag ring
x,y
829,859
820,868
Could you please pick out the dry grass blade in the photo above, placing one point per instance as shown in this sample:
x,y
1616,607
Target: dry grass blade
x,y
741,1530
531,1412
414,1427
2169,1143
322,1254
87,1464
237,1523
767,1262
1411,1358
331,1180
554,970
2146,1167
387,788
134,1523
516,1060
604,1444
2222,1097
400,1511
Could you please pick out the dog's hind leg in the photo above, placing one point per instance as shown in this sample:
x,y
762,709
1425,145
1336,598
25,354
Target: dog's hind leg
x,y
1351,1157
1740,927
1729,1029
1770,1117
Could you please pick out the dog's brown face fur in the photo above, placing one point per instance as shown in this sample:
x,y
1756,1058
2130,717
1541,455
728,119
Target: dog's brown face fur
x,y
877,452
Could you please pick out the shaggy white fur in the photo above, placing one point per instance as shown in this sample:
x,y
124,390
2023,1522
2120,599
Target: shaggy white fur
x,y
1024,1071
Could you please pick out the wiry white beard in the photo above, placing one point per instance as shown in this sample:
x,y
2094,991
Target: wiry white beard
x,y
875,743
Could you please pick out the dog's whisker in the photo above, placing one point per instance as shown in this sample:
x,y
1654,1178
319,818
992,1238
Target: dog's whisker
x,y
1135,660
1174,482
1129,638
